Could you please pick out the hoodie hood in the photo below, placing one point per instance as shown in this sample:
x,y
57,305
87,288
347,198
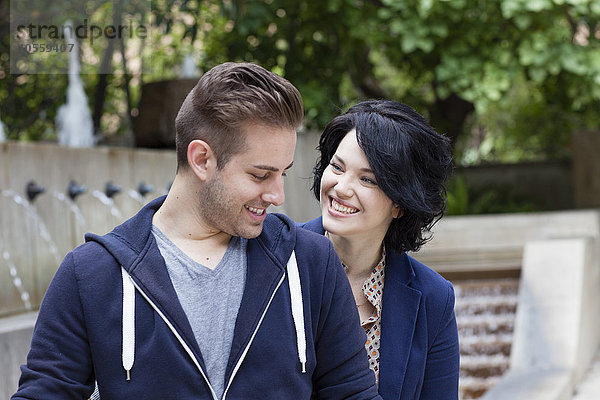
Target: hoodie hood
x,y
278,237
127,241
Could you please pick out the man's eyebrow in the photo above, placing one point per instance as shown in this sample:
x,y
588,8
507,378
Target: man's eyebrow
x,y
271,168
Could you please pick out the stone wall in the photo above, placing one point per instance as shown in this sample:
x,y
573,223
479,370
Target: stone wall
x,y
35,235
15,338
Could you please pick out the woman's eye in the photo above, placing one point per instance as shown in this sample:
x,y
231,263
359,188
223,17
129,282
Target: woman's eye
x,y
369,181
335,167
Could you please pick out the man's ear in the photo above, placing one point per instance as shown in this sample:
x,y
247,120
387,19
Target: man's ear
x,y
201,159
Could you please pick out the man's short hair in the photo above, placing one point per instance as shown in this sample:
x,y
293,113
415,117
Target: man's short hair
x,y
228,96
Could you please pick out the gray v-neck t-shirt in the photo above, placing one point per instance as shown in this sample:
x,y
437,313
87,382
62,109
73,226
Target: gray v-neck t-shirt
x,y
211,300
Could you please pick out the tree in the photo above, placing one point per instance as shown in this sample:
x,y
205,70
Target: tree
x,y
477,51
446,58
506,67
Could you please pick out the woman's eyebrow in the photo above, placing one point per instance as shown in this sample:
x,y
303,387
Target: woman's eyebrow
x,y
341,161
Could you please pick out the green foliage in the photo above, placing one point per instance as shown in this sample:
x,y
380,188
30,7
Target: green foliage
x,y
465,200
427,53
310,43
478,48
525,73
26,108
528,124
32,93
457,201
32,119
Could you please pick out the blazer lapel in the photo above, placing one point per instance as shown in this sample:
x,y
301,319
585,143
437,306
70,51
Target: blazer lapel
x,y
400,307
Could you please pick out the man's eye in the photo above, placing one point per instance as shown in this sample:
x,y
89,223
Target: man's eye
x,y
260,177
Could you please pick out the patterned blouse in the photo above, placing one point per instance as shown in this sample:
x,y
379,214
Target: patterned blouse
x,y
373,291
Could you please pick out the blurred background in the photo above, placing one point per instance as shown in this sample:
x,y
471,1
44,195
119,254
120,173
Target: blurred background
x,y
509,81
515,84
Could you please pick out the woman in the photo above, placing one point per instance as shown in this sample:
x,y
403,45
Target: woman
x,y
380,182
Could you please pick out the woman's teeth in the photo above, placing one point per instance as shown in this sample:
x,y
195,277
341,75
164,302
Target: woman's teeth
x,y
341,208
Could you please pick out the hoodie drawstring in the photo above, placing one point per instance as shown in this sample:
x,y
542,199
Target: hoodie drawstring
x,y
128,354
297,308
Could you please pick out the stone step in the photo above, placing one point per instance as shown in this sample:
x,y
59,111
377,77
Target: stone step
x,y
481,304
485,313
474,387
589,386
483,366
486,344
484,324
475,287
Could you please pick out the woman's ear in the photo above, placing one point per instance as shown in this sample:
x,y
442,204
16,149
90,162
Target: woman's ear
x,y
201,159
397,212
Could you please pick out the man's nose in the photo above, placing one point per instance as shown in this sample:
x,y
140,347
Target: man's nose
x,y
275,193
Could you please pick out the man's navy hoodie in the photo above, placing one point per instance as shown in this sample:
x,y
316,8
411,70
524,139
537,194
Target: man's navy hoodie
x,y
79,336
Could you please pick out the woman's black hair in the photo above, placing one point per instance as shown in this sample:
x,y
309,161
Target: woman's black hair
x,y
410,161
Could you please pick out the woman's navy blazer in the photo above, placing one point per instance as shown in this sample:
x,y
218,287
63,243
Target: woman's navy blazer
x,y
419,354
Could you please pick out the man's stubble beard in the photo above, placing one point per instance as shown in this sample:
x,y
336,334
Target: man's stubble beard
x,y
217,208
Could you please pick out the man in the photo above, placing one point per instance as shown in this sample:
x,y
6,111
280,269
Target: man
x,y
202,294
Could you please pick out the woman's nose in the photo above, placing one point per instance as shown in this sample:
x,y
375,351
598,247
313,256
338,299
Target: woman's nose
x,y
343,187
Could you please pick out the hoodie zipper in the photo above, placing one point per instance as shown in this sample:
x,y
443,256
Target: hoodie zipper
x,y
178,336
191,354
243,356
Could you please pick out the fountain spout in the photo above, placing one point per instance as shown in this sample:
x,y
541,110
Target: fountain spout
x,y
111,189
144,188
74,189
32,190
